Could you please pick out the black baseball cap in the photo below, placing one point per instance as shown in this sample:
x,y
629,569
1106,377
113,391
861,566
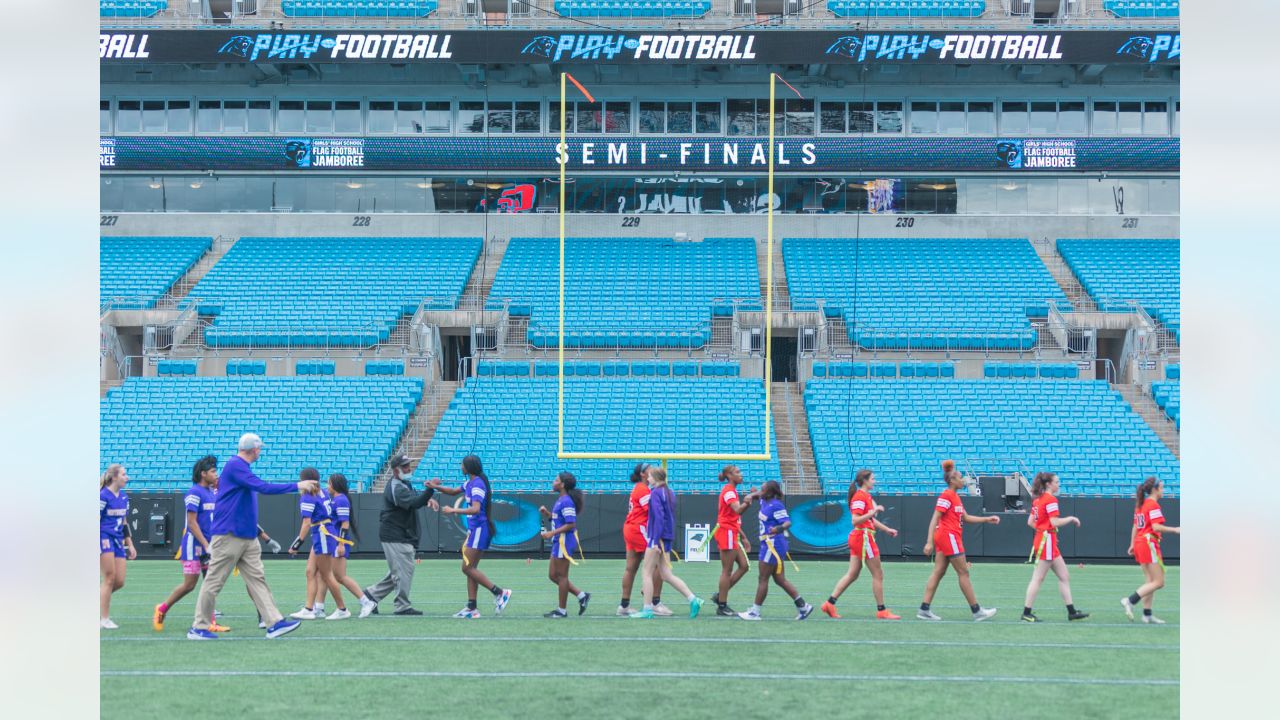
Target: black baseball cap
x,y
400,461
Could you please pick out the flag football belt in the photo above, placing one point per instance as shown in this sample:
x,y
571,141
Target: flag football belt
x,y
325,531
707,539
564,550
773,552
1155,550
868,538
1037,550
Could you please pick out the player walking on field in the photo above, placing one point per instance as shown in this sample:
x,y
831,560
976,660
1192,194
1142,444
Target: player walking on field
x,y
477,496
863,550
657,557
1144,546
317,519
1046,520
774,522
564,542
946,535
193,548
345,529
636,538
728,534
115,542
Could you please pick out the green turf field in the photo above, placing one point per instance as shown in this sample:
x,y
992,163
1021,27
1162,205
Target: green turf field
x,y
603,666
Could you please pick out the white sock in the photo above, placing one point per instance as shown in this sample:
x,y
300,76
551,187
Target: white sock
x,y
756,609
562,610
690,597
581,594
648,606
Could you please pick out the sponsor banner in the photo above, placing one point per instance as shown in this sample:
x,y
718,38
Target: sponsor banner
x,y
654,154
653,48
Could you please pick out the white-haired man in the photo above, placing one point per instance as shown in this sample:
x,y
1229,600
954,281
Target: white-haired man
x,y
235,540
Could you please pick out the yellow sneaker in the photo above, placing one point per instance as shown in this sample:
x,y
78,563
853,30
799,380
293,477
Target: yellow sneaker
x,y
215,627
157,620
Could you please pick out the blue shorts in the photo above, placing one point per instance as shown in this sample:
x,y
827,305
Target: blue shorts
x,y
570,545
111,544
663,544
773,550
321,544
478,538
339,549
190,549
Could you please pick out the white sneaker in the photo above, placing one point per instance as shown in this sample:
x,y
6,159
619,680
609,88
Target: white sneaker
x,y
367,606
319,610
983,614
625,611
927,615
1148,619
106,624
804,612
663,610
304,614
749,615
1128,608
339,614
467,614
500,602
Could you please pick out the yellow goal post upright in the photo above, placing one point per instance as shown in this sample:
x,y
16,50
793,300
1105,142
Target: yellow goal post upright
x,y
562,157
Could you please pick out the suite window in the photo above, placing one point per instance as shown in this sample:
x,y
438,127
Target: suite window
x,y
471,116
587,117
1155,118
382,116
680,118
346,117
289,117
1043,119
889,117
741,117
831,118
924,118
652,118
501,117
982,118
153,116
1013,118
1104,118
528,116
799,117
235,116
1129,118
104,116
1177,117
706,118
1071,119
617,117
951,118
209,116
319,116
258,116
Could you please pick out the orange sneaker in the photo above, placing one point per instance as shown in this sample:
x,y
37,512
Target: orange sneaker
x,y
887,615
215,627
830,609
157,620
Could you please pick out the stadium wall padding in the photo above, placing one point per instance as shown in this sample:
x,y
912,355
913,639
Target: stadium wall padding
x,y
819,525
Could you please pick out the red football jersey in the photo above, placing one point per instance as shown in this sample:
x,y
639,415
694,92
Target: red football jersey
x,y
952,511
638,504
861,504
1043,509
1147,516
725,516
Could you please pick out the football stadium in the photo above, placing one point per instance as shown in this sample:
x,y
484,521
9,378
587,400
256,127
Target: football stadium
x,y
650,305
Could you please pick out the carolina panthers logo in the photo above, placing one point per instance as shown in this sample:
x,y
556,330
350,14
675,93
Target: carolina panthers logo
x,y
298,152
543,45
239,45
846,46
1009,153
1137,46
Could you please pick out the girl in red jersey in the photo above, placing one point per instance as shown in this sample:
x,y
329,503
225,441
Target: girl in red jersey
x,y
946,534
1045,520
862,545
633,532
1144,546
728,533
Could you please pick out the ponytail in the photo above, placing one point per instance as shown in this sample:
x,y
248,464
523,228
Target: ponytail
x,y
771,490
1041,482
724,472
1147,487
472,466
570,485
859,480
110,474
341,487
637,473
948,471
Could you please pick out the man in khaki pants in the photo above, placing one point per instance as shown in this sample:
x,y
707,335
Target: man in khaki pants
x,y
235,541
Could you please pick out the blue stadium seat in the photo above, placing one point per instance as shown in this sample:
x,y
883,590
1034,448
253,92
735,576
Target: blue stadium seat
x,y
1168,395
358,8
134,272
907,8
1142,8
632,8
131,8
1114,271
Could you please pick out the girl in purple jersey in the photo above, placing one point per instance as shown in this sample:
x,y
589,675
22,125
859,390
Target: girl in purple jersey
x,y
344,523
476,498
774,522
657,557
114,541
317,513
193,548
564,541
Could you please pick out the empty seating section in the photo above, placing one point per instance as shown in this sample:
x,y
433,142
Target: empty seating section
x,y
176,367
1173,371
384,367
626,292
246,367
633,8
884,369
1142,8
131,8
315,367
1168,395
1030,370
329,291
358,8
1114,271
510,422
159,427
611,368
134,272
903,429
958,294
907,8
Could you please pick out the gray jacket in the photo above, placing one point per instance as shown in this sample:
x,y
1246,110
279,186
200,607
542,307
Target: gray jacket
x,y
398,522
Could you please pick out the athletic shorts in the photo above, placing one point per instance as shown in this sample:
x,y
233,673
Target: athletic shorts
x,y
1146,550
773,549
948,544
111,544
190,548
478,538
862,543
193,567
339,549
635,537
727,538
1045,548
564,545
663,544
321,544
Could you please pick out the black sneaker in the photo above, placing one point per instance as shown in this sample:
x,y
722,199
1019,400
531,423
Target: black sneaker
x,y
725,611
1030,617
1077,615
555,615
582,602
407,611
715,597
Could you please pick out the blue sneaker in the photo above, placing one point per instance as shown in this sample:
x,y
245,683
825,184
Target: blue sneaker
x,y
695,605
645,614
284,627
198,634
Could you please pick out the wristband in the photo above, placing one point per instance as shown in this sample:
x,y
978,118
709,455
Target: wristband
x,y
297,543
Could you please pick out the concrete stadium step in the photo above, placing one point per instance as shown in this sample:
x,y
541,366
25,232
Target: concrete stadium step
x,y
791,432
1153,415
421,426
478,286
781,292
1062,274
220,247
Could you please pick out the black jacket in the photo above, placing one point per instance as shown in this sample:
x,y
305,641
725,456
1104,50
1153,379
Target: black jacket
x,y
398,522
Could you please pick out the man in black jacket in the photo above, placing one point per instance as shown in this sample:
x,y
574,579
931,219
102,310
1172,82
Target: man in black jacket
x,y
398,531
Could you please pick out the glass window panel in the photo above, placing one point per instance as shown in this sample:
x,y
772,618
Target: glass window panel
x,y
652,118
1044,118
235,115
1104,118
708,117
1155,118
679,118
588,117
289,118
259,116
1011,197
1071,120
862,117
409,117
319,116
346,116
129,116
1042,196
209,116
1129,121
889,117
1073,196
104,116
617,117
1013,118
924,117
831,117
470,116
153,119
741,117
528,117
553,117
179,116
982,118
799,117
382,116
951,119
1177,117
501,117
